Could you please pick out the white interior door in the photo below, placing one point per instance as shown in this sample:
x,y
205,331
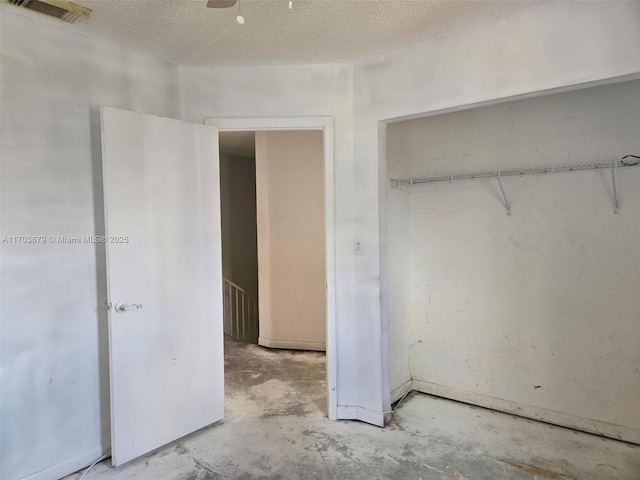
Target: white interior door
x,y
164,267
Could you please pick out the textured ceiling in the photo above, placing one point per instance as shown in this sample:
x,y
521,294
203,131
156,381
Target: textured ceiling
x,y
316,31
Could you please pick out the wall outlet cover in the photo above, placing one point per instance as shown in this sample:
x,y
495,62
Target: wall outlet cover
x,y
358,246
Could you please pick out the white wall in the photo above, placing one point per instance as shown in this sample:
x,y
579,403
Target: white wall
x,y
55,402
539,310
238,219
558,46
50,303
396,212
291,239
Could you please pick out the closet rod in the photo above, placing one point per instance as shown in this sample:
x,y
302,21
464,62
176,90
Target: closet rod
x,y
397,182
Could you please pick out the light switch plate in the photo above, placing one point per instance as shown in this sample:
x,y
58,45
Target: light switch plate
x,y
358,246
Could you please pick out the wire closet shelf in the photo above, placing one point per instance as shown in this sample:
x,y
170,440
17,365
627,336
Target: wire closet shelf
x,y
613,165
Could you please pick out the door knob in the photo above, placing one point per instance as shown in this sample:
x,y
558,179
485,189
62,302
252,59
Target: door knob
x,y
122,307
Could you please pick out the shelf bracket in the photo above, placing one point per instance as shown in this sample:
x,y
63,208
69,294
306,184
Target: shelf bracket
x,y
504,195
616,207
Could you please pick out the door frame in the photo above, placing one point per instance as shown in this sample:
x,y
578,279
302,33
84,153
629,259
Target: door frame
x,y
325,124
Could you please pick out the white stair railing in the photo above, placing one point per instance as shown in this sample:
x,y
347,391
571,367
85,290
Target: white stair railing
x,y
240,313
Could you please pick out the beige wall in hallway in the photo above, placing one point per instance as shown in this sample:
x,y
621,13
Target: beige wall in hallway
x,y
291,253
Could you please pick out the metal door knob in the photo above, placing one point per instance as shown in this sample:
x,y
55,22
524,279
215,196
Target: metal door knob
x,y
122,307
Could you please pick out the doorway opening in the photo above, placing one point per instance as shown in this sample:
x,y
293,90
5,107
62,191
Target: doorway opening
x,y
274,247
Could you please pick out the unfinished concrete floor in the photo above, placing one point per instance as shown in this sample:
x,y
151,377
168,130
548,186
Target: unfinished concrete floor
x,y
275,427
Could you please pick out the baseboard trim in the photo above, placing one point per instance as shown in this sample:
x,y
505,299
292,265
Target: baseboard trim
x,y
399,392
597,427
292,344
67,467
352,412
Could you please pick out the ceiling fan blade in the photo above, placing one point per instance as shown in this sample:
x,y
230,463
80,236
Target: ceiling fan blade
x,y
221,3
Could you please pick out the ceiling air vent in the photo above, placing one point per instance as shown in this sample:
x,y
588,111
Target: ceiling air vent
x,y
65,11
